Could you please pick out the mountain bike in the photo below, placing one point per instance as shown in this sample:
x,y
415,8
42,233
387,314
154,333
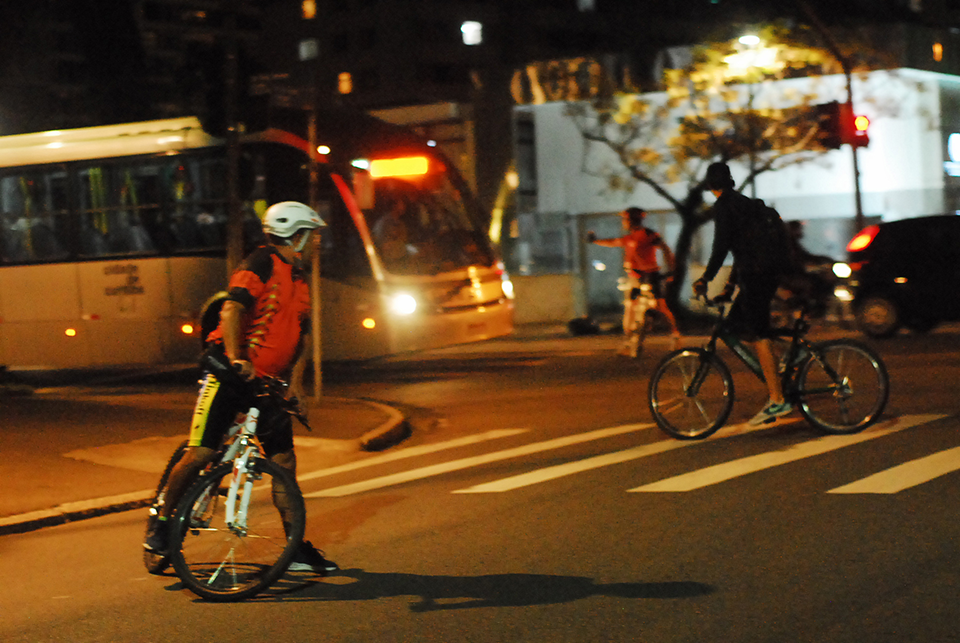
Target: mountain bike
x,y
239,524
839,386
643,301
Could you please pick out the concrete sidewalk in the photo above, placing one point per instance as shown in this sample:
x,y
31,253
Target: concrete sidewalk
x,y
118,477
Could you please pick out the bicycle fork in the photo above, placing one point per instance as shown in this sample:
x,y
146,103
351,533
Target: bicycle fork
x,y
703,358
236,516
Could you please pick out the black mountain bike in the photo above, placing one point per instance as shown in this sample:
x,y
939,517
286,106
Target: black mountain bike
x,y
839,386
229,539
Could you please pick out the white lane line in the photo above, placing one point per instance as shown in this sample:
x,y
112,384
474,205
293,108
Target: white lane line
x,y
464,463
570,468
751,464
411,452
906,475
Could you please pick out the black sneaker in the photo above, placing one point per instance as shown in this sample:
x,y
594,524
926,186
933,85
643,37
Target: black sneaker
x,y
309,559
156,540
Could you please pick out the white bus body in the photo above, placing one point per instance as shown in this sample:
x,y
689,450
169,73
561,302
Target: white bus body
x,y
111,241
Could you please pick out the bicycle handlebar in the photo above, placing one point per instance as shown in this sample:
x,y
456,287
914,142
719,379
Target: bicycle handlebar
x,y
260,386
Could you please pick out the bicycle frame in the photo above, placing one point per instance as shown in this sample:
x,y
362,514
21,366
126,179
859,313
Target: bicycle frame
x,y
245,445
790,360
241,450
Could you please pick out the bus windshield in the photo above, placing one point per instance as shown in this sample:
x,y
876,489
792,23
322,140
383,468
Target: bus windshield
x,y
421,228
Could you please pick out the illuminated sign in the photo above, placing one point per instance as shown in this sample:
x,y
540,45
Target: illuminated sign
x,y
404,166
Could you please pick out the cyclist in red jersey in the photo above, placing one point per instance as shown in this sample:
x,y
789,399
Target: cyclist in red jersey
x,y
640,247
263,330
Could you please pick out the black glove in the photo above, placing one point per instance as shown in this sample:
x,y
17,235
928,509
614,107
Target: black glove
x,y
726,294
700,288
591,237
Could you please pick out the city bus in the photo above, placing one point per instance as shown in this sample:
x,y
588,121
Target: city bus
x,y
112,239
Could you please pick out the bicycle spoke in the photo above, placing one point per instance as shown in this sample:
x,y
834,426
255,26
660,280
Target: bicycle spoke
x,y
690,394
843,387
220,561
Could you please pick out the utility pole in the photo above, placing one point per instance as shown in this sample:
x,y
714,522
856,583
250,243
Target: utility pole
x,y
316,326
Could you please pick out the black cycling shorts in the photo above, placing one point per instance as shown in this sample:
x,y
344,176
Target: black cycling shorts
x,y
217,408
750,314
655,279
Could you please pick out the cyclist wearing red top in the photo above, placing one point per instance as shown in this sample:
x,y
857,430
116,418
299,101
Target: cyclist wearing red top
x,y
640,247
263,331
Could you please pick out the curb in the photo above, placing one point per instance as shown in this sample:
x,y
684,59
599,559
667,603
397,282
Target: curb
x,y
390,433
74,511
393,431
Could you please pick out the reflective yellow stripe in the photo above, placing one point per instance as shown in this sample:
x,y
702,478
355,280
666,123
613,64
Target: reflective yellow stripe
x,y
202,410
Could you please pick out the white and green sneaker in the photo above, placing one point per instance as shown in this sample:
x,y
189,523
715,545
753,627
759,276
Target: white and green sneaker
x,y
771,412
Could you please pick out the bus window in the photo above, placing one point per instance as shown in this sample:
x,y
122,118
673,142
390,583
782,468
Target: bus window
x,y
117,208
198,198
421,229
33,217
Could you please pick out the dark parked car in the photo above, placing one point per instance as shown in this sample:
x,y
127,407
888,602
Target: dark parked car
x,y
906,273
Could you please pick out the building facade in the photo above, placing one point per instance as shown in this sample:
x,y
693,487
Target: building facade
x,y
910,168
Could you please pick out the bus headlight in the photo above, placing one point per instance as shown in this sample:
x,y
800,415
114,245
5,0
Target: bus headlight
x,y
403,304
842,270
507,286
843,293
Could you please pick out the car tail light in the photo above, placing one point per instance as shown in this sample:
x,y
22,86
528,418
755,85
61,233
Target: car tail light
x,y
863,239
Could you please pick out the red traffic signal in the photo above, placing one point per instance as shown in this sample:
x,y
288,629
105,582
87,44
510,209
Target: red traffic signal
x,y
859,137
839,126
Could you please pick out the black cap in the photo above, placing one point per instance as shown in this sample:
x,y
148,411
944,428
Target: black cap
x,y
635,216
718,176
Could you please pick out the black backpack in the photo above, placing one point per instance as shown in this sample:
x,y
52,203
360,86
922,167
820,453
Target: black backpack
x,y
763,240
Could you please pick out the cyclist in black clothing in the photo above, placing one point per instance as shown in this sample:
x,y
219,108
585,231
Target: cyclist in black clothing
x,y
750,314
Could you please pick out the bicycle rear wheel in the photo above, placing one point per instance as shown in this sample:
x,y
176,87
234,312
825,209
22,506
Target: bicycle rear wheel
x,y
691,394
223,562
154,562
842,387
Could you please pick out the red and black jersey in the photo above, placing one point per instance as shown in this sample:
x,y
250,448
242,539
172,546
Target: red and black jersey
x,y
640,250
276,299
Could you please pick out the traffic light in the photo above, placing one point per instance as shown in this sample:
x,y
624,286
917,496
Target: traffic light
x,y
840,126
859,137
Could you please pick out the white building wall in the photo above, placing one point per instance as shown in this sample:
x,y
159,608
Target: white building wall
x,y
901,175
901,172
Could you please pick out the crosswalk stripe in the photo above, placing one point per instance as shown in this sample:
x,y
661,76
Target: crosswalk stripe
x,y
595,462
751,464
411,452
464,463
570,468
906,475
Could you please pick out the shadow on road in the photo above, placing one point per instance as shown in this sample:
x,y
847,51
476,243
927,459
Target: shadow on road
x,y
462,592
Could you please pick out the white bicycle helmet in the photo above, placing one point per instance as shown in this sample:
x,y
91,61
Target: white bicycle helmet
x,y
286,218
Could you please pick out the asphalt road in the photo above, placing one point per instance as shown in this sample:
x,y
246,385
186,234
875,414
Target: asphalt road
x,y
535,502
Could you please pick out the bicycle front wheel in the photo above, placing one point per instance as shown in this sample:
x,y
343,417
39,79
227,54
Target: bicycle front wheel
x,y
691,394
154,562
223,561
842,387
